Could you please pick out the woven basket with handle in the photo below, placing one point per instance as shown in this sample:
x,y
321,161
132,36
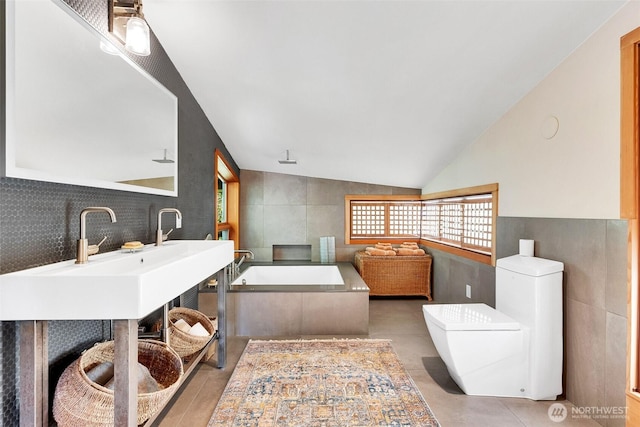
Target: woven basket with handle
x,y
78,401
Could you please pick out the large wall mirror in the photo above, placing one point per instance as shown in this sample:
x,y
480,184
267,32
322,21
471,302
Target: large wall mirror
x,y
77,115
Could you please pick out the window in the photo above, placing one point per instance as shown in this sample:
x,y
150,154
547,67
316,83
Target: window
x,y
221,207
381,218
385,219
222,201
464,222
461,221
227,201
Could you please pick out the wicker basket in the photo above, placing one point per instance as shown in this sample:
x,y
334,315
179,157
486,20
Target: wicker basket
x,y
78,401
395,275
183,343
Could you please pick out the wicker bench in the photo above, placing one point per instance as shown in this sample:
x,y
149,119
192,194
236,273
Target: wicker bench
x,y
395,275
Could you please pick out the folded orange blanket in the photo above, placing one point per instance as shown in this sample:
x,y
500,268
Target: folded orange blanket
x,y
379,252
409,252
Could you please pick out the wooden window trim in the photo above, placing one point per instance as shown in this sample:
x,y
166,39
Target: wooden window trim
x,y
629,206
223,169
374,198
468,191
465,253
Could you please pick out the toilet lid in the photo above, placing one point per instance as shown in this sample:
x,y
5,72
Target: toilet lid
x,y
469,317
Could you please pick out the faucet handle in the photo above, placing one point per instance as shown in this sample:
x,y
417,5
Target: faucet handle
x,y
166,236
94,249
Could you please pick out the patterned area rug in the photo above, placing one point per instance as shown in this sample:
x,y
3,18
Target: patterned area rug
x,y
326,383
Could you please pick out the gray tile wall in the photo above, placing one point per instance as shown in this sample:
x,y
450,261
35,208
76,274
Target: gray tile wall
x,y
280,209
594,253
39,222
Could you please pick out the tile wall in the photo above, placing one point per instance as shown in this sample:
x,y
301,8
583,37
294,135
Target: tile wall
x,y
286,209
595,286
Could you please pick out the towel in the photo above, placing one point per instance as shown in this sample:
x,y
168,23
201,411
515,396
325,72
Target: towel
x,y
384,246
182,325
198,330
379,252
146,382
101,374
410,252
410,245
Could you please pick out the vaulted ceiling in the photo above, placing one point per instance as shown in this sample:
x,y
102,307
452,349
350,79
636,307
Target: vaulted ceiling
x,y
382,92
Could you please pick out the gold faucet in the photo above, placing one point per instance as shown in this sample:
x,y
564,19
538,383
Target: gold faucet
x,y
160,236
83,248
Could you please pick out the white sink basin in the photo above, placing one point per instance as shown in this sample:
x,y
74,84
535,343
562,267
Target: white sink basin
x,y
113,285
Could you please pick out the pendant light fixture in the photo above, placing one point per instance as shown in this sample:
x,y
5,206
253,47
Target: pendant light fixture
x,y
127,24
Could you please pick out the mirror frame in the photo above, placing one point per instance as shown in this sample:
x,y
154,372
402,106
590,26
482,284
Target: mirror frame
x,y
8,167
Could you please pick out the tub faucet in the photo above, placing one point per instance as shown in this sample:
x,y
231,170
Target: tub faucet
x,y
236,265
160,236
83,248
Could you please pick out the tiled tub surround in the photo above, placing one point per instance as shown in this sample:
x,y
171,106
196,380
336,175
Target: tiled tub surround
x,y
290,310
594,253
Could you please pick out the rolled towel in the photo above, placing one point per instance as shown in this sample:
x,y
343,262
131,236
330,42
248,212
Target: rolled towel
x,y
410,252
146,382
384,247
182,325
101,374
410,245
198,330
379,252
404,251
383,244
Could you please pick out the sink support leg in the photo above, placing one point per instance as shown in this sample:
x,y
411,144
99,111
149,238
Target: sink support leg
x,y
222,318
125,367
34,373
165,323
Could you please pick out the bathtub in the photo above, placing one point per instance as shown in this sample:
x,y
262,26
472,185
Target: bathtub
x,y
266,275
294,300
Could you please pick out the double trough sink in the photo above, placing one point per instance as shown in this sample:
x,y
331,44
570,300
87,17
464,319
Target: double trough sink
x,y
114,285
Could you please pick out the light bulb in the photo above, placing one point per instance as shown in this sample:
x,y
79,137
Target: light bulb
x,y
138,39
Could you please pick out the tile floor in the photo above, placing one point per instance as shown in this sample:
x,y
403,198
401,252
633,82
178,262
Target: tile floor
x,y
401,321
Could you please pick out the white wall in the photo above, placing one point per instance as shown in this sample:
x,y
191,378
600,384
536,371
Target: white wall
x,y
574,174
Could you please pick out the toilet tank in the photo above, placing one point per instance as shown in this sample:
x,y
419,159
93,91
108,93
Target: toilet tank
x,y
529,289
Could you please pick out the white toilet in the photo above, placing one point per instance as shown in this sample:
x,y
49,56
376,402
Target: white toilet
x,y
514,350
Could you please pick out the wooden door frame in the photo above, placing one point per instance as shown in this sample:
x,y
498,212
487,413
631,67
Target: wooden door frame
x,y
630,206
